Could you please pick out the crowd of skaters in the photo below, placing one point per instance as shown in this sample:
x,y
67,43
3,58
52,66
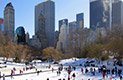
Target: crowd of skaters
x,y
92,70
85,70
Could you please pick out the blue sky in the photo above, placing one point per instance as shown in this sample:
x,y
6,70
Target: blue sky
x,y
24,11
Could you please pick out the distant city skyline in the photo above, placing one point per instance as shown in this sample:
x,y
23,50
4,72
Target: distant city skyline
x,y
24,12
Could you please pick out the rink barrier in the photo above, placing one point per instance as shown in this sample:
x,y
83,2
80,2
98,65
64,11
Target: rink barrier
x,y
36,72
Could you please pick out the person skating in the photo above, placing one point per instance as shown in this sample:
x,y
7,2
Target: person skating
x,y
0,75
104,72
52,69
69,71
68,77
3,76
73,76
86,70
82,70
120,77
119,72
38,72
11,74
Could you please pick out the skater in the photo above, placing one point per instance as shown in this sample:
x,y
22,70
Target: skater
x,y
57,73
36,69
69,71
3,76
74,68
86,70
0,75
91,69
21,71
49,66
12,73
73,76
14,69
52,69
104,72
120,77
82,70
94,71
68,77
37,73
119,72
113,71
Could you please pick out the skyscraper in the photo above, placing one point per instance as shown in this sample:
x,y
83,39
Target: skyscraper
x,y
62,43
27,37
41,33
47,10
72,27
20,35
9,20
99,14
117,14
80,20
106,13
61,22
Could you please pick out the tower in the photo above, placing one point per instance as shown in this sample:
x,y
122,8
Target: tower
x,y
20,35
99,14
117,14
27,37
106,14
9,21
47,10
41,33
61,22
63,38
80,20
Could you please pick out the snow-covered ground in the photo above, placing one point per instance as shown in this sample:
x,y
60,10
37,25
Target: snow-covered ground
x,y
78,63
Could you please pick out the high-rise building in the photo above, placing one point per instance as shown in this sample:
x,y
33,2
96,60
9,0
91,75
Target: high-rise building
x,y
56,37
62,43
63,21
80,20
117,14
106,13
73,36
99,14
1,25
34,42
47,10
20,35
72,27
9,20
41,33
27,37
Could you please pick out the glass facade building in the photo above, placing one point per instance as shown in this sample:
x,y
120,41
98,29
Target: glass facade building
x,y
80,20
47,9
63,21
20,35
106,13
99,14
9,20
